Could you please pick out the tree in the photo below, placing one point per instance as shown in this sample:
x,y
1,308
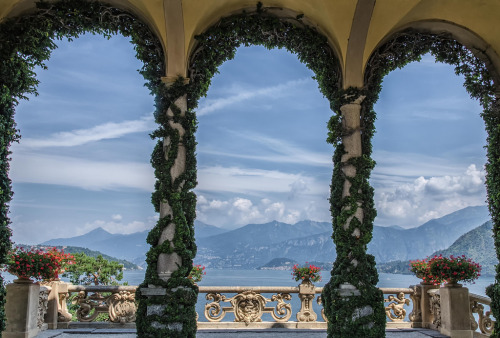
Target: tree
x,y
94,270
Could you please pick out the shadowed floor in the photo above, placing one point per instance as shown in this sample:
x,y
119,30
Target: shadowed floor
x,y
284,333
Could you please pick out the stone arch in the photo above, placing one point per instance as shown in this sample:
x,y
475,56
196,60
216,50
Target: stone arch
x,y
466,37
479,63
27,41
284,13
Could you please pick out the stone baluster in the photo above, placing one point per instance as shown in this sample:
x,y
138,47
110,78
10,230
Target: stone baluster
x,y
421,315
306,295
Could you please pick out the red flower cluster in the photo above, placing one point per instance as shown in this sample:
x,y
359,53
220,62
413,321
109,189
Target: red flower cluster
x,y
36,263
307,271
451,269
197,273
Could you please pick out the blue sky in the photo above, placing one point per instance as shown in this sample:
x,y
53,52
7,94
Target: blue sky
x,y
83,160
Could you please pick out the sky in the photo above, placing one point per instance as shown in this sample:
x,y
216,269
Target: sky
x,y
84,158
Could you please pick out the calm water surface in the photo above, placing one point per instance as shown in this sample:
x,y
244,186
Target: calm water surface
x,y
284,278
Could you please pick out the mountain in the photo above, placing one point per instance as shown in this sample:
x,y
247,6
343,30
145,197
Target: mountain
x,y
390,244
254,245
131,247
477,244
206,230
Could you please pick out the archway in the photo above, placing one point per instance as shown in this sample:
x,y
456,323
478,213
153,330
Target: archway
x,y
173,248
27,41
481,81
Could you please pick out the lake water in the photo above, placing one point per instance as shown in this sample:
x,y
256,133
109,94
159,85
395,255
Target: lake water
x,y
284,278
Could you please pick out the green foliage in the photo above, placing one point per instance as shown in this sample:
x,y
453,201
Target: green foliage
x,y
92,253
93,270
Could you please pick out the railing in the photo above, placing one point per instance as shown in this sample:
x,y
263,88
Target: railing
x,y
483,326
255,307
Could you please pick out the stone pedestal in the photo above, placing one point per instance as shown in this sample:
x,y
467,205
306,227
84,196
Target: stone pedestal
x,y
425,318
455,312
306,295
21,310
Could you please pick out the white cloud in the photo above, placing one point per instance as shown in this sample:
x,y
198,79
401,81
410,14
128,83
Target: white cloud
x,y
109,130
240,211
211,105
427,198
116,217
82,173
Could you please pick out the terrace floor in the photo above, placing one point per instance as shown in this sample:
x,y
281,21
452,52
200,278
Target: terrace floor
x,y
248,333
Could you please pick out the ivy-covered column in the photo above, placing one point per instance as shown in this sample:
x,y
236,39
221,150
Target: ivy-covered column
x,y
167,297
491,116
353,303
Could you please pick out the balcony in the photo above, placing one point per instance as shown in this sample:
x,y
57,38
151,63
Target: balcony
x,y
224,309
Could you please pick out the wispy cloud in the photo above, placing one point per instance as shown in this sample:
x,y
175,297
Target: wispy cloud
x,y
276,151
258,181
109,130
212,105
82,173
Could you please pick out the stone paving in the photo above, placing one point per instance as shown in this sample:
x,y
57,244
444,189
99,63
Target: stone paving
x,y
270,333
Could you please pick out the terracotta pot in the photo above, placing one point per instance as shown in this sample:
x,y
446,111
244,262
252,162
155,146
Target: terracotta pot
x,y
452,285
23,280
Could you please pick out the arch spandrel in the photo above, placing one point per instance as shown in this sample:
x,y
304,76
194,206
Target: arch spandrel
x,y
389,16
148,11
332,18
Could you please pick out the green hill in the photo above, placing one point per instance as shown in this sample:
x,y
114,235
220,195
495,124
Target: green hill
x,y
75,249
476,244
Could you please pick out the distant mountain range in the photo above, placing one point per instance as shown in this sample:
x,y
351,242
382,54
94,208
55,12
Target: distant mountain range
x,y
477,244
254,245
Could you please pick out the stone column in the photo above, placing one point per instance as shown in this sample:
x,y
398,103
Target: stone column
x,y
167,304
168,263
351,125
455,312
21,310
353,303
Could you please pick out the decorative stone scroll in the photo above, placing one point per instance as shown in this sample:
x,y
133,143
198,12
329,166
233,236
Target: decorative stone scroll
x,y
485,324
248,306
122,307
117,301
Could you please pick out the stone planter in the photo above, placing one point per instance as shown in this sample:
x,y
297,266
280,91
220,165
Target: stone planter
x,y
21,309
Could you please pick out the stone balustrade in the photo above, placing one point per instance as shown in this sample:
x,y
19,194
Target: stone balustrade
x,y
247,306
229,307
483,323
